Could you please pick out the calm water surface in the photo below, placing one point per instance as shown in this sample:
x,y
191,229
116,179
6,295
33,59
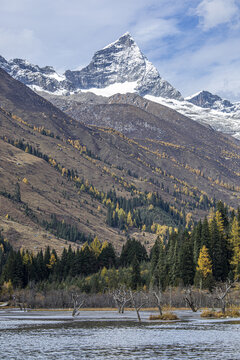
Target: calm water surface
x,y
107,335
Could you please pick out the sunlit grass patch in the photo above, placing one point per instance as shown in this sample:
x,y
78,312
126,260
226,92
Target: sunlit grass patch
x,y
219,314
165,316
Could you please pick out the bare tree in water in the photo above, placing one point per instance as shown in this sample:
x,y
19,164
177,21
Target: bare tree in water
x,y
138,300
121,297
78,300
222,290
190,299
156,296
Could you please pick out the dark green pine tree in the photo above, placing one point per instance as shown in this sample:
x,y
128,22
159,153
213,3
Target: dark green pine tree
x,y
17,194
187,267
205,238
224,214
173,260
154,256
197,241
41,267
46,260
218,253
107,257
14,270
89,262
135,274
131,249
160,274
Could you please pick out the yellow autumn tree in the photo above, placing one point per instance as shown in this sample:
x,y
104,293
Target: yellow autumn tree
x,y
27,258
52,261
235,242
211,216
104,245
96,246
129,219
219,221
25,181
188,219
204,262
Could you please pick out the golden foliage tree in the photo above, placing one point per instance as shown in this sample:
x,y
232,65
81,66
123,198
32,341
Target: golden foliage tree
x,y
96,246
204,263
235,242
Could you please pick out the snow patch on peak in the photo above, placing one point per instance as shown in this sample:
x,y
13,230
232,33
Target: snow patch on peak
x,y
117,88
228,123
193,95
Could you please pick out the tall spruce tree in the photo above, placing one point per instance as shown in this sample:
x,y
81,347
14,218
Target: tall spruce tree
x,y
187,268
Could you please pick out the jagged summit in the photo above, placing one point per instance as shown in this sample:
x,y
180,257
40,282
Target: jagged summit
x,y
207,100
119,67
38,78
125,38
122,62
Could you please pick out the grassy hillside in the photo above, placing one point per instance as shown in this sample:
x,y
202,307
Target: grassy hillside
x,y
64,171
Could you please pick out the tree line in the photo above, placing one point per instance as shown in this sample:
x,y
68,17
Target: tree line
x,y
206,255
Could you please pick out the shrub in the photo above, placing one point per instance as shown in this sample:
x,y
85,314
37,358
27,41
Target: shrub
x,y
165,316
219,314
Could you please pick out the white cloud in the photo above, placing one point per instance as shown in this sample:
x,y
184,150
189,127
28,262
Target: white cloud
x,y
215,12
214,66
152,29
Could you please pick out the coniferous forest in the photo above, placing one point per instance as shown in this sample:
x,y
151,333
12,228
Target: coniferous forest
x,y
206,255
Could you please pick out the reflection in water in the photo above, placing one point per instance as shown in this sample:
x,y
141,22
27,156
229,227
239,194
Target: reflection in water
x,y
58,337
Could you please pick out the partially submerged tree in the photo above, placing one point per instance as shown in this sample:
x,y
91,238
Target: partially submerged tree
x,y
121,297
138,300
190,299
156,296
221,291
78,300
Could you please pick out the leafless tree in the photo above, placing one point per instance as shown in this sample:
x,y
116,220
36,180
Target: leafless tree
x,y
138,300
222,290
190,299
121,297
78,300
156,295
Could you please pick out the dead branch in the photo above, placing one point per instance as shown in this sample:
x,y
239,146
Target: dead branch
x,y
157,298
78,302
121,297
188,296
138,300
221,292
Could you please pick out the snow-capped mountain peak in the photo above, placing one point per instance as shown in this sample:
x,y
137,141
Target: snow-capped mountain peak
x,y
45,78
205,99
122,62
117,67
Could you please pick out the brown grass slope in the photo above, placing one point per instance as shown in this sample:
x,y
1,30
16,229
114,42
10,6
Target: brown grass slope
x,y
184,146
161,166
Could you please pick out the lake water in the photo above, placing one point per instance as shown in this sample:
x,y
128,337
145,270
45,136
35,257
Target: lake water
x,y
107,335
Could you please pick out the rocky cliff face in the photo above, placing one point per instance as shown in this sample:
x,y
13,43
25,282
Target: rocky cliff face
x,y
121,64
207,100
45,78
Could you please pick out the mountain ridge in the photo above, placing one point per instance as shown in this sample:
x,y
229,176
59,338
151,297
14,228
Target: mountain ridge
x,y
120,67
71,172
120,62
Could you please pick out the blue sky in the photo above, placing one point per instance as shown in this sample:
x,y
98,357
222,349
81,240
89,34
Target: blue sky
x,y
194,44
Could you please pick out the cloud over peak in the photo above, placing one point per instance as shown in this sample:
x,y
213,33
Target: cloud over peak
x,y
216,12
